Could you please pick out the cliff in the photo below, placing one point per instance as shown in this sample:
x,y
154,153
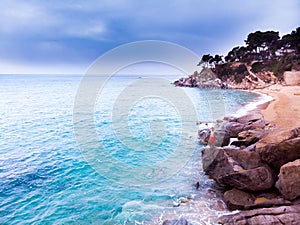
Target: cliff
x,y
235,76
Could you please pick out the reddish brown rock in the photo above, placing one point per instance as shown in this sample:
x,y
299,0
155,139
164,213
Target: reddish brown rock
x,y
222,138
234,128
250,118
252,136
257,179
275,216
237,199
289,180
246,159
211,161
237,168
259,124
280,147
248,122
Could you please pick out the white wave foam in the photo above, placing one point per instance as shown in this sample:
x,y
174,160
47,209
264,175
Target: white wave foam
x,y
263,98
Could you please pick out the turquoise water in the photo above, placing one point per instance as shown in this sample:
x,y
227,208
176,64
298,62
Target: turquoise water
x,y
46,179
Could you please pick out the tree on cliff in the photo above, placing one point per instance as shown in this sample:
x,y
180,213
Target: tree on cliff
x,y
217,59
237,54
264,51
291,41
209,60
205,60
262,44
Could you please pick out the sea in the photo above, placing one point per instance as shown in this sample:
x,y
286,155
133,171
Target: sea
x,y
129,156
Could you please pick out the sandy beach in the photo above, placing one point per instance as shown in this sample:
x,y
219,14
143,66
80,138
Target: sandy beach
x,y
284,110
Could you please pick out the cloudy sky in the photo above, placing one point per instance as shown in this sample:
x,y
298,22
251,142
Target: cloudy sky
x,y
67,36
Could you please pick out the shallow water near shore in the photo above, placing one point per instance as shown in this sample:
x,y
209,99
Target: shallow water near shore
x,y
45,179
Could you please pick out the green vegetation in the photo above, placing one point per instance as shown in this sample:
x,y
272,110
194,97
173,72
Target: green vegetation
x,y
228,70
263,52
257,67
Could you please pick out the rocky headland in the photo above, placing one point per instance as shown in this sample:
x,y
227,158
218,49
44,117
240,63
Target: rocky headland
x,y
256,157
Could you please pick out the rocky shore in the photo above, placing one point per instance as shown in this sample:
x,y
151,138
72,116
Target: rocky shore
x,y
259,170
255,158
256,161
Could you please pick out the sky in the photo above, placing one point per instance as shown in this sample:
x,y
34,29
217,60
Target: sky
x,y
65,37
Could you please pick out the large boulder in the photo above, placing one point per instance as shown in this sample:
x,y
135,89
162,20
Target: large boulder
x,y
251,121
209,159
275,216
237,199
240,169
246,159
252,135
279,147
288,183
249,137
292,77
250,118
259,124
257,179
222,137
234,128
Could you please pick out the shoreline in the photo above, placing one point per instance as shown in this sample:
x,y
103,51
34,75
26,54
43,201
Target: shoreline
x,y
281,101
281,114
261,103
283,111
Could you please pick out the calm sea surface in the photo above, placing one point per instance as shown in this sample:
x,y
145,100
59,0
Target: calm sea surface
x,y
47,178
